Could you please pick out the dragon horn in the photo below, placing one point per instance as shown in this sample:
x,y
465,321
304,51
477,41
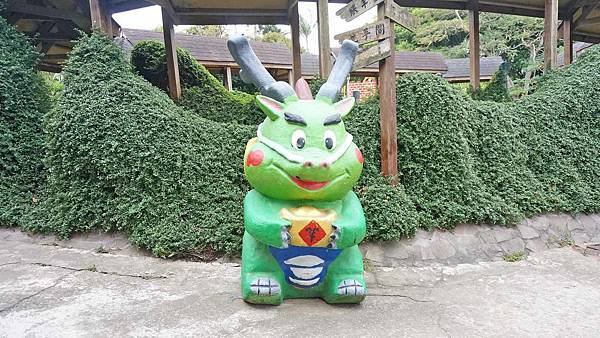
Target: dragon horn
x,y
252,71
341,69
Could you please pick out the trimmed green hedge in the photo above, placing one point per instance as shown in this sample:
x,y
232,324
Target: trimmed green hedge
x,y
471,161
23,103
123,156
202,92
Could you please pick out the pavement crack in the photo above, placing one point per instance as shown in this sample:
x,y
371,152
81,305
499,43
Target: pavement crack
x,y
399,296
15,304
93,269
10,263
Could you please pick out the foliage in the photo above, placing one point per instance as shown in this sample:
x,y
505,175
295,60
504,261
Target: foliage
x,y
464,161
202,92
216,31
496,89
265,29
514,257
123,156
23,103
517,39
306,28
275,37
315,83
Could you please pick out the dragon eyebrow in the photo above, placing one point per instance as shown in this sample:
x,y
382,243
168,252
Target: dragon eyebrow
x,y
293,118
332,119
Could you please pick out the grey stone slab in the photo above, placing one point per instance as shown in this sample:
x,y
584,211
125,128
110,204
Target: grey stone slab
x,y
540,223
536,245
580,238
442,249
527,232
513,245
396,249
487,237
503,234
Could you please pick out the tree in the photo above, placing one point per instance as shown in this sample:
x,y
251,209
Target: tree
x,y
265,29
217,31
306,29
517,39
275,37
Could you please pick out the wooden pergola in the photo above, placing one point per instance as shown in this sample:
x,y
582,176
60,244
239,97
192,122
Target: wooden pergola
x,y
56,21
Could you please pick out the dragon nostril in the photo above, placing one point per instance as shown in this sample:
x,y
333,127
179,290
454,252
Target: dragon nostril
x,y
325,165
308,164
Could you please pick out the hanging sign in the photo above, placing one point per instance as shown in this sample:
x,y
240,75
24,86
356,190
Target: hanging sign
x,y
400,15
372,54
355,8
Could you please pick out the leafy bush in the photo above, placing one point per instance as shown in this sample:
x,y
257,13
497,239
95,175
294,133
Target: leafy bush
x,y
23,103
496,89
469,161
123,156
202,92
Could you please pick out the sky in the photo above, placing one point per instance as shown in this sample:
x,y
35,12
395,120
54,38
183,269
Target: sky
x,y
150,17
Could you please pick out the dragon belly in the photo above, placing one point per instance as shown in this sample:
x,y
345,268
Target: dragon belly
x,y
302,266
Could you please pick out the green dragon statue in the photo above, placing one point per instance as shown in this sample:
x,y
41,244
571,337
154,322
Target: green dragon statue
x,y
303,222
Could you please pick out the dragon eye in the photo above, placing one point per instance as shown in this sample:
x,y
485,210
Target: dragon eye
x,y
329,139
298,139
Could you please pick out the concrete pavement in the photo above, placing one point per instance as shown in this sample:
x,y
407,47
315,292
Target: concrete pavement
x,y
49,290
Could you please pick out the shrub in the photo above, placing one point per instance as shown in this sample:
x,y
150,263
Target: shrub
x,y
23,103
202,92
123,156
496,90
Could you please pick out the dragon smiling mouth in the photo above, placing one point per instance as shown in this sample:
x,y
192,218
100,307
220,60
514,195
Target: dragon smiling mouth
x,y
308,185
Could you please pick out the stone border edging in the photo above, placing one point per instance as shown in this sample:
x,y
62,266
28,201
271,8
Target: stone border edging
x,y
469,243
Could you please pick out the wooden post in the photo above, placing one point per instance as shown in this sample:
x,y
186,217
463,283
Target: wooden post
x,y
170,49
387,108
291,78
99,16
227,82
550,33
568,40
474,53
295,30
324,47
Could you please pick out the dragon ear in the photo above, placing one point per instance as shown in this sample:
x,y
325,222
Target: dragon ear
x,y
344,106
269,106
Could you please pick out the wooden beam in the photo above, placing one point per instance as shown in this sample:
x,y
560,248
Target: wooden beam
x,y
171,51
324,47
47,12
99,17
227,82
568,41
550,33
387,108
295,30
474,52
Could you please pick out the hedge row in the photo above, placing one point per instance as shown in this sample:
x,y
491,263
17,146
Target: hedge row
x,y
202,92
466,161
23,103
122,156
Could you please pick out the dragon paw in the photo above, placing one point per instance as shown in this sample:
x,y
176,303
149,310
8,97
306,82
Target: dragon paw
x,y
265,287
350,287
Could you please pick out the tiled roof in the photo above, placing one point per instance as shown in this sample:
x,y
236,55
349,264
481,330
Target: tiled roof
x,y
210,49
578,48
459,68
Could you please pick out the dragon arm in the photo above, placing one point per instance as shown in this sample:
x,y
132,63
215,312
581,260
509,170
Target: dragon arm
x,y
262,219
351,223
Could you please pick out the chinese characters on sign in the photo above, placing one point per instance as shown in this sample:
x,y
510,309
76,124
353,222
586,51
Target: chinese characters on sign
x,y
355,8
371,32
